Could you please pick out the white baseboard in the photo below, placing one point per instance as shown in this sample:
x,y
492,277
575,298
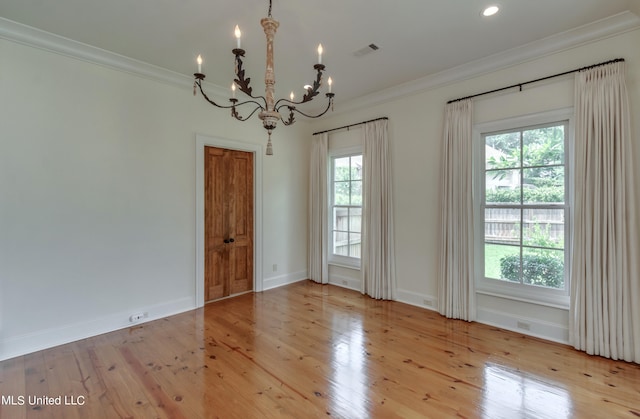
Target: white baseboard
x,y
286,279
527,326
345,282
415,299
36,341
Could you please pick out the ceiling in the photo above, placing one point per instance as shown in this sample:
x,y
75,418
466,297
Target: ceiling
x,y
417,38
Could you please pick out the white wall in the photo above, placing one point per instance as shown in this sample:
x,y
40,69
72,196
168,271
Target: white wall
x,y
97,197
415,124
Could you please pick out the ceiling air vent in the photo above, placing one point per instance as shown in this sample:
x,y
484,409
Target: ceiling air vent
x,y
366,50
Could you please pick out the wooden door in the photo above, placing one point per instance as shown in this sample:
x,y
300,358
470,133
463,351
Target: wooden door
x,y
228,212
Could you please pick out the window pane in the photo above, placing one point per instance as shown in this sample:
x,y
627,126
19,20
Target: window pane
x,y
355,219
544,185
502,151
543,267
341,193
341,169
502,262
502,225
346,212
356,167
543,146
543,228
340,218
524,208
502,186
356,192
354,244
341,243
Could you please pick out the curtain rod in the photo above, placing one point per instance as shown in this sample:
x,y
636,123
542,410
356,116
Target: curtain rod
x,y
349,126
537,80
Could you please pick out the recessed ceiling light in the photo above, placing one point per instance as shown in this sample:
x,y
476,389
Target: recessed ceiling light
x,y
490,11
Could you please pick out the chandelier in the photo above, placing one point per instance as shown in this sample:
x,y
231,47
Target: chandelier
x,y
268,106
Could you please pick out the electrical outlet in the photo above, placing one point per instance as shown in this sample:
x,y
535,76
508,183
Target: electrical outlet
x,y
137,317
427,302
523,326
345,282
275,267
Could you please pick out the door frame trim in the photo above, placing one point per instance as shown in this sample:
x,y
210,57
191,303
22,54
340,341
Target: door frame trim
x,y
203,141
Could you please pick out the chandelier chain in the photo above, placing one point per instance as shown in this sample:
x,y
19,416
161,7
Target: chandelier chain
x,y
269,14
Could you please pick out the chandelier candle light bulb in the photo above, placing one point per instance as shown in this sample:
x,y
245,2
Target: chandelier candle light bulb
x,y
233,90
319,53
238,34
329,82
199,61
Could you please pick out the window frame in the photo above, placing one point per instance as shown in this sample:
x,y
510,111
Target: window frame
x,y
335,259
506,289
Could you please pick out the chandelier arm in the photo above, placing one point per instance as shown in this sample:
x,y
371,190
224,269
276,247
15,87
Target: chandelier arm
x,y
237,116
287,101
258,105
314,116
204,95
294,109
282,106
291,119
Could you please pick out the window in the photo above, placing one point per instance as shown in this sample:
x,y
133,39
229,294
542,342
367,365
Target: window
x,y
524,212
346,209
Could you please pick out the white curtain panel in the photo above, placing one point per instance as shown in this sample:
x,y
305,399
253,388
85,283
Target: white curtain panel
x,y
378,254
605,290
318,210
456,290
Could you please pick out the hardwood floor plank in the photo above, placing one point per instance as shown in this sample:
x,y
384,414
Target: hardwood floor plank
x,y
37,387
93,389
122,392
62,374
309,350
13,386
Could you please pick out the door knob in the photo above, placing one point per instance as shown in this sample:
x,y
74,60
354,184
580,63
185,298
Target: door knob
x,y
231,240
226,240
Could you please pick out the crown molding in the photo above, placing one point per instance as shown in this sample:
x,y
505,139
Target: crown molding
x,y
37,38
600,29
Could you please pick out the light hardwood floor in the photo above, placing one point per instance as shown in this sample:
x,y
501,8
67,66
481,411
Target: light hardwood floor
x,y
307,350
